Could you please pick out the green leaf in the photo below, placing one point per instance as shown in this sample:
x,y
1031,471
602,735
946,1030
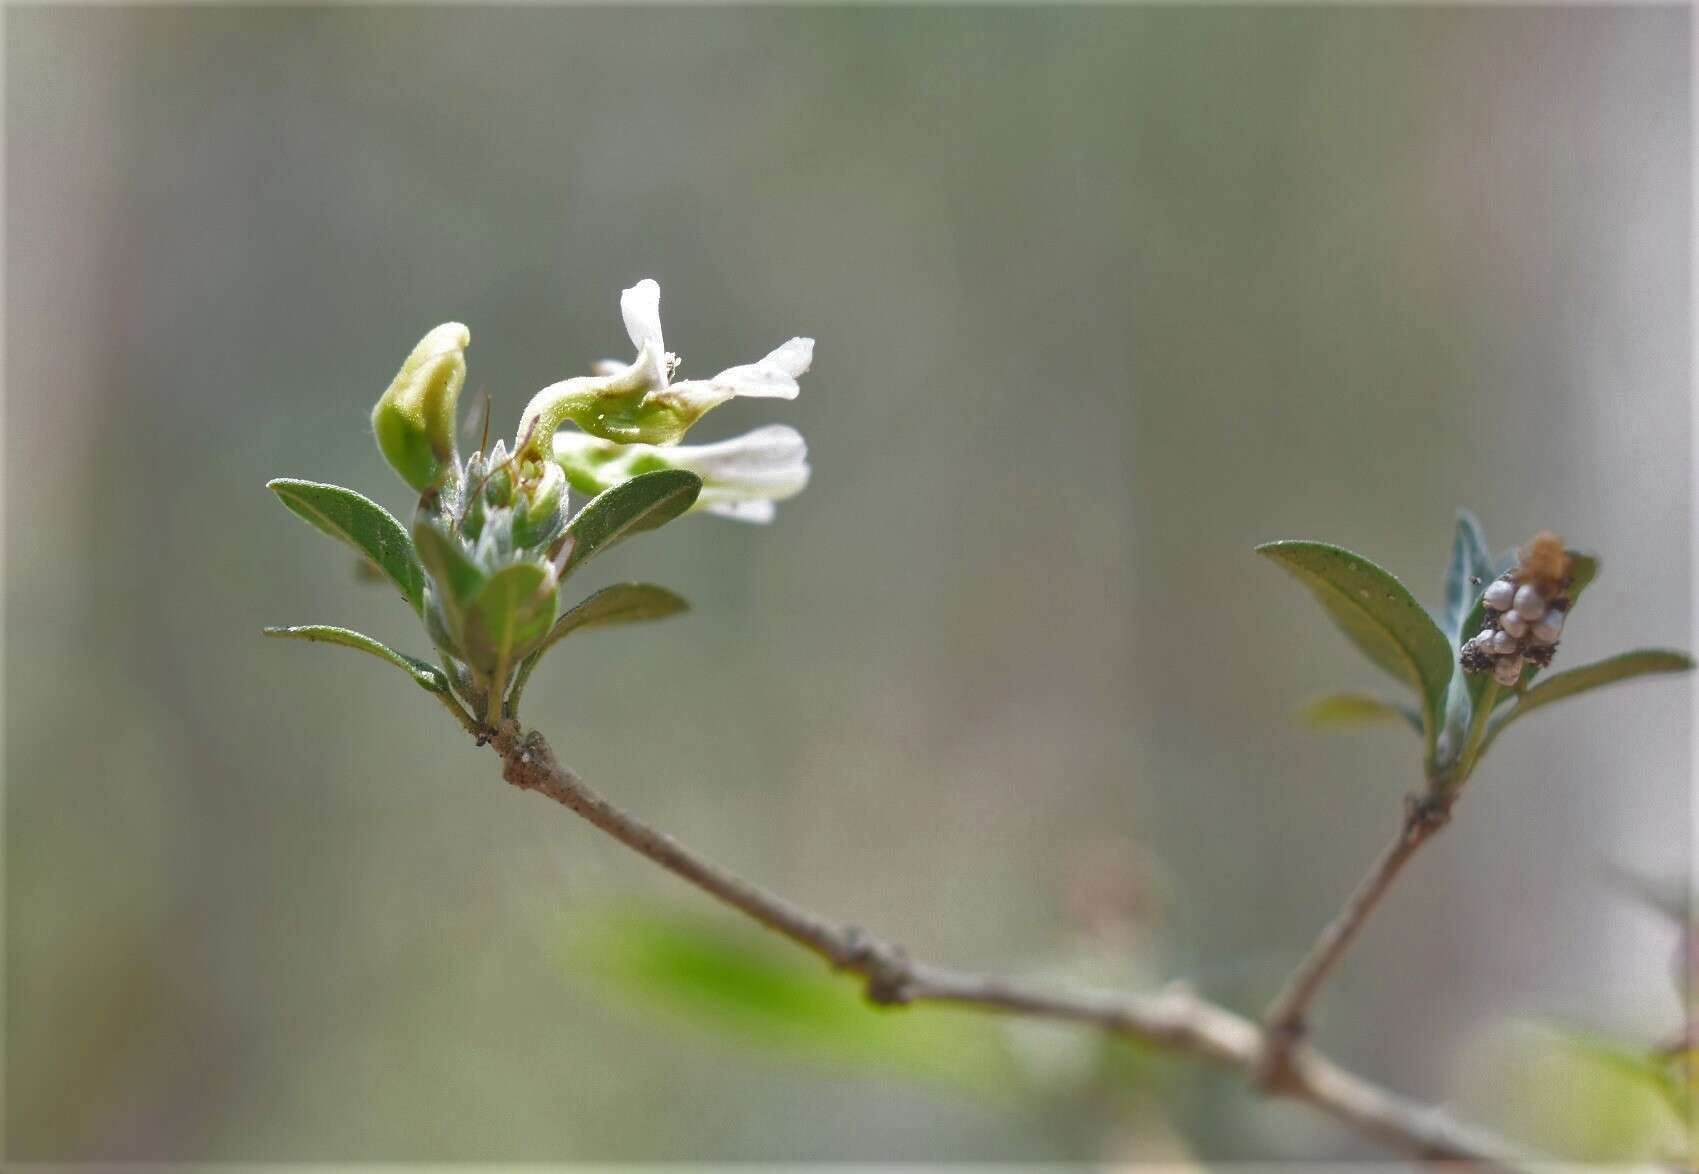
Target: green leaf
x,y
427,676
1622,667
755,991
1467,574
1377,614
363,524
643,503
1343,710
623,603
1592,1100
1658,1075
457,577
509,616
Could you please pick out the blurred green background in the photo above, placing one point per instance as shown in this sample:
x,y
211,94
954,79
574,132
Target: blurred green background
x,y
1103,298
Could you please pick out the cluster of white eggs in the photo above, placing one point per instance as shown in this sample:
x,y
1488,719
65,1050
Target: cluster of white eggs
x,y
1522,625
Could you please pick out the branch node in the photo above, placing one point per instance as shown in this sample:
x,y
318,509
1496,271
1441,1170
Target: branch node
x,y
1426,814
886,967
1273,1072
526,759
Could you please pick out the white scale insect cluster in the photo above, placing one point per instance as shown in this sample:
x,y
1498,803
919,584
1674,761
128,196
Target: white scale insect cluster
x,y
1524,611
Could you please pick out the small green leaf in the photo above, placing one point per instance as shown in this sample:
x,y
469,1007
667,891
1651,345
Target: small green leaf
x,y
623,603
363,524
458,578
1622,667
1377,614
1583,569
427,676
509,616
1592,1100
642,503
1656,1074
1342,710
1468,572
748,988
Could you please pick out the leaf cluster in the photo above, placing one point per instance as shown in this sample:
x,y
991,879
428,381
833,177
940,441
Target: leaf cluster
x,y
486,588
1458,714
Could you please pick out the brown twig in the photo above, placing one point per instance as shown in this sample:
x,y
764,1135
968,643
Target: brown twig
x,y
1283,1022
1174,1019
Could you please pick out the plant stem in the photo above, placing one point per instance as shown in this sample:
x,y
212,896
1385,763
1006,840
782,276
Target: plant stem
x,y
1283,1022
460,714
1174,1019
1424,816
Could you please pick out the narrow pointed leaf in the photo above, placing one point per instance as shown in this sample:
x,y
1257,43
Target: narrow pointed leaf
x,y
1468,572
363,524
1377,614
427,676
1333,711
623,603
509,616
642,503
1623,667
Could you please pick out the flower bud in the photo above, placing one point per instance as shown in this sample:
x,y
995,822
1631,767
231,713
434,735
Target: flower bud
x,y
1514,624
1503,643
538,516
415,418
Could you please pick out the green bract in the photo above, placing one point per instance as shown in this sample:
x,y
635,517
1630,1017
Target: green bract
x,y
1453,707
494,536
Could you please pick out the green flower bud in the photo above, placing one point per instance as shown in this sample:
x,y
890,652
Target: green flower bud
x,y
538,516
415,419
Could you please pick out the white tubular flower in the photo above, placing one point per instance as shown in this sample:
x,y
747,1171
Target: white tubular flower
x,y
741,477
638,403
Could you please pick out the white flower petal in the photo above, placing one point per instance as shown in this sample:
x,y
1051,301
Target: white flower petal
x,y
770,461
795,356
774,377
696,396
759,510
641,307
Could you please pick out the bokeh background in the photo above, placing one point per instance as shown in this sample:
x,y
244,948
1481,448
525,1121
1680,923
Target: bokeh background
x,y
1103,298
